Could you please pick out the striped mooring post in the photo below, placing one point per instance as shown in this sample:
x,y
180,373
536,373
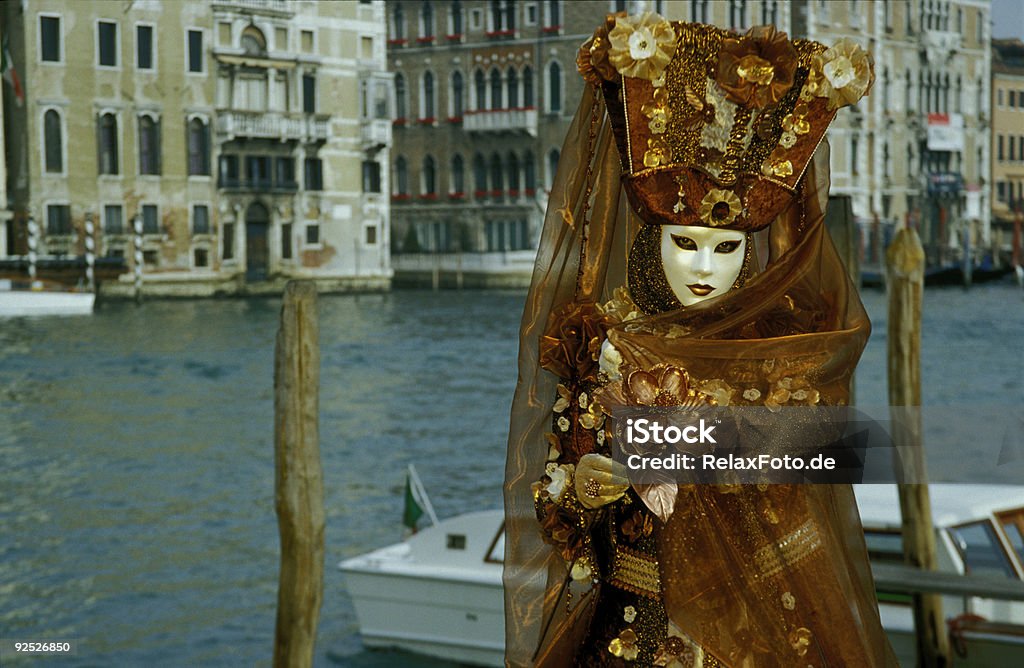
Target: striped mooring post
x,y
137,228
33,242
90,253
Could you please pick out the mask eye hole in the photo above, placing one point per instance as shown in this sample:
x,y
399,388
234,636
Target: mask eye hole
x,y
686,243
727,247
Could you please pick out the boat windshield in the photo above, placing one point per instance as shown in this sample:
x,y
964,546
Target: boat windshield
x,y
1013,525
981,550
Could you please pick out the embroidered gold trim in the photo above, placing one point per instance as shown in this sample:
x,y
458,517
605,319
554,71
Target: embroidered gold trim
x,y
789,550
635,572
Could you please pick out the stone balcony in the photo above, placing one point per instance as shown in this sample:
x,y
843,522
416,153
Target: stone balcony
x,y
502,120
376,134
939,45
272,125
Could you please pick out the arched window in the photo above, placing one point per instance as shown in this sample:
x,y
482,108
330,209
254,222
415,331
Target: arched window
x,y
54,141
427,19
458,184
429,111
552,166
398,25
479,175
528,87
149,146
108,144
401,176
198,147
513,174
529,173
429,185
496,89
253,42
512,85
401,107
458,106
554,87
480,88
497,181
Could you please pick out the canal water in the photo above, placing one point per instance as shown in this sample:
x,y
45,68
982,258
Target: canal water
x,y
136,491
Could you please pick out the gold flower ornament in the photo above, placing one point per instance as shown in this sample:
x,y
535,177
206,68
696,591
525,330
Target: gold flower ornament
x,y
843,74
641,46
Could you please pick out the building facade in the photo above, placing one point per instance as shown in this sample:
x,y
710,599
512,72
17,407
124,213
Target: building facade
x,y
1008,143
484,95
232,132
473,155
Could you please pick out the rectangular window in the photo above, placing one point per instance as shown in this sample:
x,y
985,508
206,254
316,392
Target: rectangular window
x,y
195,50
308,93
49,38
286,241
144,47
284,173
531,15
314,174
1001,191
229,171
999,151
281,38
107,37
150,221
228,241
371,176
1013,152
257,169
306,41
58,219
202,257
224,33
113,222
312,234
1013,99
371,235
476,19
200,219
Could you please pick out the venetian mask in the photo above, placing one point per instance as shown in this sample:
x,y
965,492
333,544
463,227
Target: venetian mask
x,y
701,262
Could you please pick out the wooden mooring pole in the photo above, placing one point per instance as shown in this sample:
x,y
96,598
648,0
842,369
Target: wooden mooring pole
x,y
905,260
298,489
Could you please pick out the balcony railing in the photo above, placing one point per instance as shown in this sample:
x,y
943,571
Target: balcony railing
x,y
376,134
269,7
272,125
502,120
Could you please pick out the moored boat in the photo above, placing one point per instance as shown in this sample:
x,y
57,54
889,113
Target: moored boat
x,y
38,298
439,592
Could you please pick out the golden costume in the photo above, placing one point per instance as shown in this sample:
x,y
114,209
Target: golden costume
x,y
695,126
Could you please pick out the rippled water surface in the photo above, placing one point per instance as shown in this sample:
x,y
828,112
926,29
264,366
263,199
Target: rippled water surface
x,y
136,492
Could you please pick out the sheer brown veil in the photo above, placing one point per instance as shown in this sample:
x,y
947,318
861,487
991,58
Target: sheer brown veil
x,y
727,584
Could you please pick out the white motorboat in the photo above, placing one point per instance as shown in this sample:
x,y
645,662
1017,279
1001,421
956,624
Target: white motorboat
x,y
37,298
439,592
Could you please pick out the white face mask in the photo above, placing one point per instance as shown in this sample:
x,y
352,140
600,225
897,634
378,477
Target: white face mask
x,y
701,262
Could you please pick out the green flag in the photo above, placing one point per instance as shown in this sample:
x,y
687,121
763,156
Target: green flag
x,y
413,510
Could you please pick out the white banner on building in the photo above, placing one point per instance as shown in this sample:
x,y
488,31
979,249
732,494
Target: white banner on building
x,y
945,132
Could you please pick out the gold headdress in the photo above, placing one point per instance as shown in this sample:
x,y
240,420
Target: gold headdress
x,y
715,129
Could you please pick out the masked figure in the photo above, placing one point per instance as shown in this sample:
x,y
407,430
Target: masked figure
x,y
684,262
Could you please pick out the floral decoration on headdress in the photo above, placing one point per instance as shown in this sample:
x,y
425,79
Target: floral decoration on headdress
x,y
719,207
643,46
757,71
843,74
